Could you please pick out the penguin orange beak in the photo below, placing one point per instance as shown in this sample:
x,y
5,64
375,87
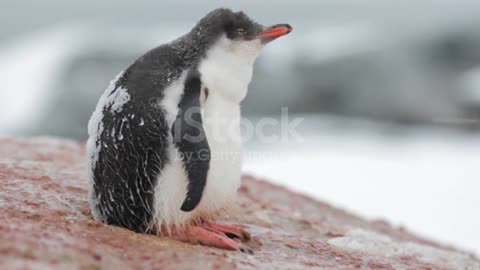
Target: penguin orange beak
x,y
274,31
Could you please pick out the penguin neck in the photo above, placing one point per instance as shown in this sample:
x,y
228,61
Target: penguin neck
x,y
226,70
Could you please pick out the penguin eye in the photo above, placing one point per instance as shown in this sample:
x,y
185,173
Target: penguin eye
x,y
241,31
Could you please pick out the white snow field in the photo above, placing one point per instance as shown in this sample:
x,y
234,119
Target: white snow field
x,y
426,179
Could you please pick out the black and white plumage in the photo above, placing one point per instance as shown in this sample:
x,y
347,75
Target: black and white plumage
x,y
164,140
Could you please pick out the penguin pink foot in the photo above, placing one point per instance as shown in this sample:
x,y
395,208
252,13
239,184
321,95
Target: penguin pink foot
x,y
231,231
216,235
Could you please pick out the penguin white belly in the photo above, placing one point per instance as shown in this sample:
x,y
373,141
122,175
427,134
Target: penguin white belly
x,y
222,127
221,122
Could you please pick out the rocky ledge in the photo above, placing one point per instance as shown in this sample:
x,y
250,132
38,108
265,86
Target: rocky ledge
x,y
45,224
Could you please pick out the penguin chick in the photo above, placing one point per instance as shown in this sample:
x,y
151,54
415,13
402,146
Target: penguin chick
x,y
164,149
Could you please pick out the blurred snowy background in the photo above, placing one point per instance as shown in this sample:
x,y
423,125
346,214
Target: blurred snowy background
x,y
389,93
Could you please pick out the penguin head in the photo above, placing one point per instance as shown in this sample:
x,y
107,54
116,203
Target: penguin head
x,y
237,33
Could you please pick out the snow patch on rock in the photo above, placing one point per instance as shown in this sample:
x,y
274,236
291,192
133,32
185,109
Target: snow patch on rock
x,y
374,243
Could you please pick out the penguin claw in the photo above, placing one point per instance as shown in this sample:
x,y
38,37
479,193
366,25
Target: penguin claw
x,y
245,249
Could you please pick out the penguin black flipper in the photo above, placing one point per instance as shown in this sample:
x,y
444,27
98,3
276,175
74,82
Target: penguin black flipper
x,y
190,139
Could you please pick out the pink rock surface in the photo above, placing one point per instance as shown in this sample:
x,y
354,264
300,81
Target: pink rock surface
x,y
45,224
